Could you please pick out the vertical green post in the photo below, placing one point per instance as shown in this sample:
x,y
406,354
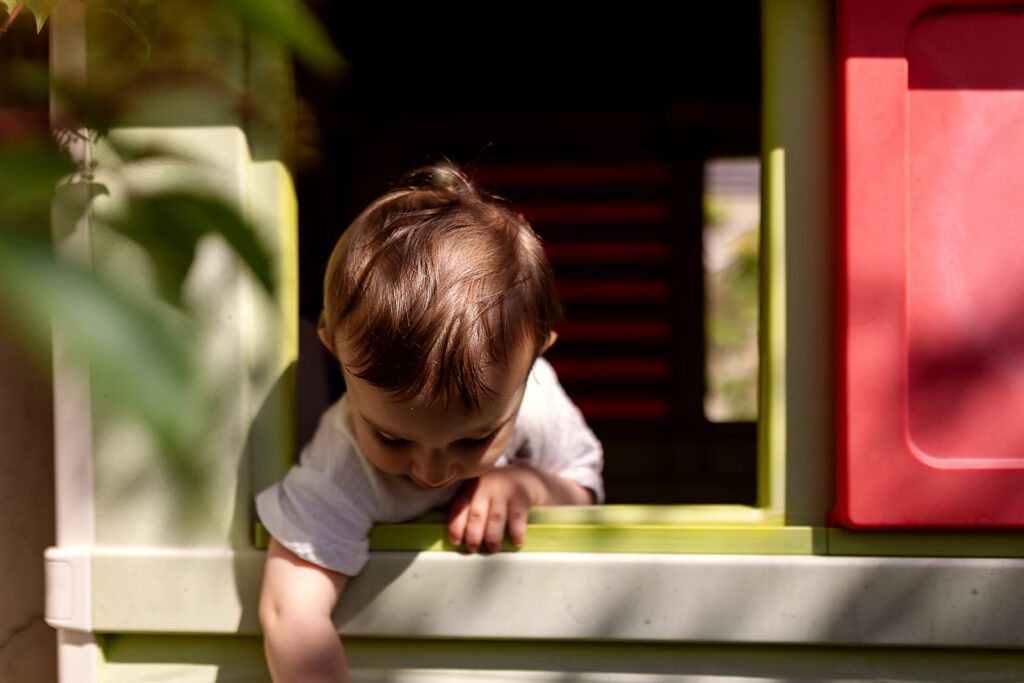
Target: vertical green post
x,y
796,430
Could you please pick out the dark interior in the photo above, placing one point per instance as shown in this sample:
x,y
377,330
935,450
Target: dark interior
x,y
597,126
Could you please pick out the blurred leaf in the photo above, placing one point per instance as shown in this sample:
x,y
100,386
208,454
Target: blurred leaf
x,y
13,8
170,225
142,362
29,171
70,202
290,22
138,15
40,9
130,150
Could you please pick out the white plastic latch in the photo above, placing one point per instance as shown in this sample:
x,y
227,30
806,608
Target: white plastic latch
x,y
68,588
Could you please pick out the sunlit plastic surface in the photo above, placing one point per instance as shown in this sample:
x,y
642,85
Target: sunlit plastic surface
x,y
931,332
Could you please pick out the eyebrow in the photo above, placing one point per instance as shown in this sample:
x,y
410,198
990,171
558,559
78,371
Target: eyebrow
x,y
396,435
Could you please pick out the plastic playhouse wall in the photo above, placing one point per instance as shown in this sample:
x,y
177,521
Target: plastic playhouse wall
x,y
932,366
142,588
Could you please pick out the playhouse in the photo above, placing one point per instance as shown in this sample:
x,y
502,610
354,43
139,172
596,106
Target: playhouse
x,y
880,534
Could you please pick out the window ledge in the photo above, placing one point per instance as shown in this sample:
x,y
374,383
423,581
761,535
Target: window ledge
x,y
623,597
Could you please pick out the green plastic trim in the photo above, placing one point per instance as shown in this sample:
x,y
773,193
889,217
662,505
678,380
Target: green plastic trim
x,y
261,537
771,446
796,394
697,529
205,658
704,515
607,538
926,544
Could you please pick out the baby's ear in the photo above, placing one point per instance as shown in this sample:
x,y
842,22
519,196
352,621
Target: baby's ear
x,y
325,338
547,345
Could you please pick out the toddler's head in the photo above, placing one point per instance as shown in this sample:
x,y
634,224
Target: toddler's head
x,y
432,284
437,299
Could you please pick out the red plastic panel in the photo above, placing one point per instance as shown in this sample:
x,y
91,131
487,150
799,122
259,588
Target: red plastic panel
x,y
931,323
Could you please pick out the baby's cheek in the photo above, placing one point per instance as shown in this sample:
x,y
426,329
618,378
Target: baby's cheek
x,y
387,462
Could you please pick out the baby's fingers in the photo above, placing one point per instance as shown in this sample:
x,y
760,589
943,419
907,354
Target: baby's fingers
x,y
494,531
458,517
476,522
518,514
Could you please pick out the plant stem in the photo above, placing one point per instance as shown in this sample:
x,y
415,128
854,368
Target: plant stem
x,y
10,19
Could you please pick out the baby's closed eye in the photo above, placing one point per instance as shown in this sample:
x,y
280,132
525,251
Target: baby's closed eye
x,y
389,441
477,443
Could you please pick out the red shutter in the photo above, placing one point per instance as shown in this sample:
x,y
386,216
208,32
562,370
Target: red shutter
x,y
931,256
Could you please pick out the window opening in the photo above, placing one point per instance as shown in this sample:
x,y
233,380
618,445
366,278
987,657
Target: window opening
x,y
732,217
609,165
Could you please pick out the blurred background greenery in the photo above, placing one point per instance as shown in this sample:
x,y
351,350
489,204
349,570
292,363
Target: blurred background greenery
x,y
732,218
138,340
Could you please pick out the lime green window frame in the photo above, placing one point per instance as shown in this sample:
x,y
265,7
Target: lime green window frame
x,y
796,425
795,429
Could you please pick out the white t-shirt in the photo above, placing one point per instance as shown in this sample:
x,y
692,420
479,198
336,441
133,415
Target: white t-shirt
x,y
324,507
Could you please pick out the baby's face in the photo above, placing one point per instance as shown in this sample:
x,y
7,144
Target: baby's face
x,y
436,446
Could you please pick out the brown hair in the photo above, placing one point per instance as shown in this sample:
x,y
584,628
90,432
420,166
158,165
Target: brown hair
x,y
432,283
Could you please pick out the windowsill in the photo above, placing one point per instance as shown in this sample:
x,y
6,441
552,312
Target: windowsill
x,y
610,597
628,574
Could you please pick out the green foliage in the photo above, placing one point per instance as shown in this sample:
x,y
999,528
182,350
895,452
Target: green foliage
x,y
169,225
289,22
139,344
286,21
29,172
139,348
134,352
40,9
732,306
140,16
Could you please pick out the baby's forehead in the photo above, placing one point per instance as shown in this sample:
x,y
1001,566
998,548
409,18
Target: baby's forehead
x,y
412,417
503,380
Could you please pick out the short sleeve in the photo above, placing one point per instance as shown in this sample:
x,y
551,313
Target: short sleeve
x,y
322,510
324,507
554,435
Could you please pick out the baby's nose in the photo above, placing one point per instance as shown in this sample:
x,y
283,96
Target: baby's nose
x,y
434,469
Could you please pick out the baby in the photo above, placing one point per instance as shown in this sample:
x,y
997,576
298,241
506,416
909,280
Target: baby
x,y
438,303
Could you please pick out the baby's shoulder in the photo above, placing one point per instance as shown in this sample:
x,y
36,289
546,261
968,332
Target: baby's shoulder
x,y
333,443
543,389
544,402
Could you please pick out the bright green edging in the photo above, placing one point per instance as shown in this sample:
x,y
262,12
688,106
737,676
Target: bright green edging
x,y
795,432
701,515
569,530
685,529
925,544
630,538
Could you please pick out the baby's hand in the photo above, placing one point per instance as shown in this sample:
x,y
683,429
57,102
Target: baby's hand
x,y
487,504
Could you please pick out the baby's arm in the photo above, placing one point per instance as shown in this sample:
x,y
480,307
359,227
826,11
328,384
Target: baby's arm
x,y
295,612
564,469
503,497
